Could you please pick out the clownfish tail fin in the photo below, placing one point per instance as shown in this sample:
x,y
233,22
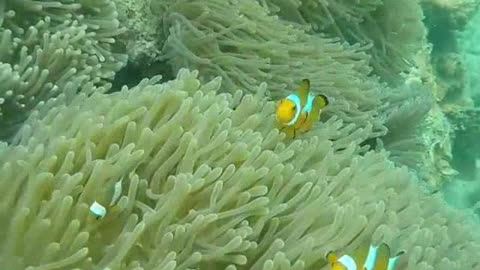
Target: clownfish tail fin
x,y
322,100
392,262
319,103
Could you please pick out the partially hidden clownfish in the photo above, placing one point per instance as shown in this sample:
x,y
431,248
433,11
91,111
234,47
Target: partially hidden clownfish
x,y
365,257
98,210
298,111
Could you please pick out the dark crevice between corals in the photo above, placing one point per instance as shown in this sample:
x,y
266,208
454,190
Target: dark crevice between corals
x,y
134,72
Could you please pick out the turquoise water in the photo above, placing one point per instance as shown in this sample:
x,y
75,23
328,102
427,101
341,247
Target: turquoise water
x,y
463,190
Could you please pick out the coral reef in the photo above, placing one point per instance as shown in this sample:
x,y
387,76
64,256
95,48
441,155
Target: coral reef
x,y
438,134
463,191
463,113
51,47
470,51
392,31
208,184
405,141
141,40
205,180
445,74
246,45
445,19
466,124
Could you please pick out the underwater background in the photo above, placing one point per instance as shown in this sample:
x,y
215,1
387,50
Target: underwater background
x,y
142,134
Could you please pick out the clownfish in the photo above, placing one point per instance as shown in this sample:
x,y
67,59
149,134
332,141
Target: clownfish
x,y
365,258
298,111
98,210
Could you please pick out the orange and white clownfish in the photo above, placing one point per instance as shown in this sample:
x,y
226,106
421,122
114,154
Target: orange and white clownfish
x,y
365,258
298,111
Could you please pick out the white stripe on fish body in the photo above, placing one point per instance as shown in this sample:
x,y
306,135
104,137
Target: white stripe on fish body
x,y
371,258
392,262
348,262
98,210
296,100
117,191
309,106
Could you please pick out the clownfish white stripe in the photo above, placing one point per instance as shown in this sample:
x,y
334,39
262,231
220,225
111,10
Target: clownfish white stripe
x,y
296,100
392,262
117,191
371,258
309,106
98,210
348,262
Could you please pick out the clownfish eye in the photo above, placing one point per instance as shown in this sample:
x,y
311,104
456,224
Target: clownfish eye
x,y
294,108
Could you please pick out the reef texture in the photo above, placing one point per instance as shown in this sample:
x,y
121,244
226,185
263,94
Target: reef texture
x,y
338,45
391,31
246,44
208,183
51,47
452,31
470,51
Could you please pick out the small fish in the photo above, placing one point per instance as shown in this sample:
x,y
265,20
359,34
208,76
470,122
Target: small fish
x,y
298,111
98,210
365,258
117,191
